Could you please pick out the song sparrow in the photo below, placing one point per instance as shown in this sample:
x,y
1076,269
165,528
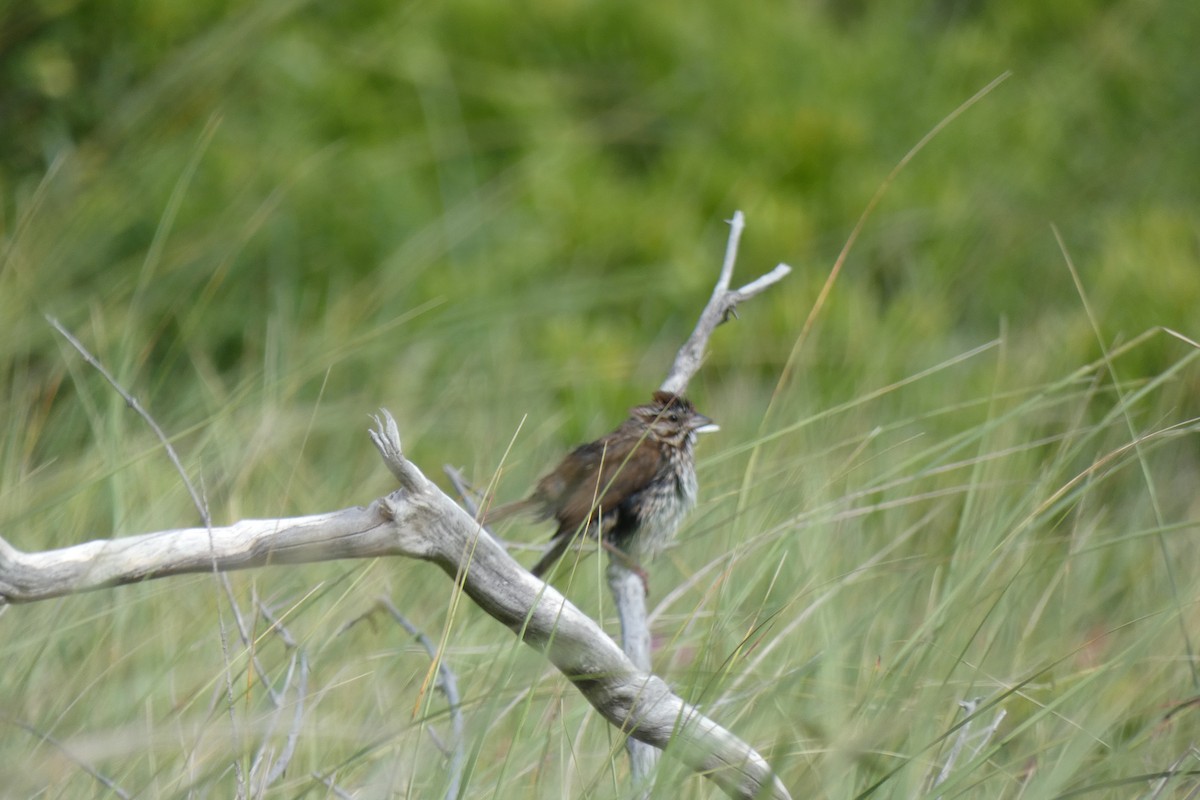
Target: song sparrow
x,y
630,488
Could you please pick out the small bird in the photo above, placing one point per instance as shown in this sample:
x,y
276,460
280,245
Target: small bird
x,y
631,488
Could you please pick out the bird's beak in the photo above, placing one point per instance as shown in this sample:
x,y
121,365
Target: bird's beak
x,y
702,424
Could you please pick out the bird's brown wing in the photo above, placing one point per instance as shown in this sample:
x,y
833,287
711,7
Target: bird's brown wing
x,y
597,475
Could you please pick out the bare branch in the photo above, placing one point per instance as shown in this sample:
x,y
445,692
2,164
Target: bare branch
x,y
721,306
463,488
736,226
289,748
300,660
386,436
350,533
277,626
760,283
629,598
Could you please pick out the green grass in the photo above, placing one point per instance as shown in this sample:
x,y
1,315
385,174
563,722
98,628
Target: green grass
x,y
966,481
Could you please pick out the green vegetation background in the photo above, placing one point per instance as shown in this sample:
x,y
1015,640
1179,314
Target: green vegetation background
x,y
499,222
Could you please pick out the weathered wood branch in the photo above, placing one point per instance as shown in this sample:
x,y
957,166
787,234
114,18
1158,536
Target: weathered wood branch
x,y
721,306
350,533
418,521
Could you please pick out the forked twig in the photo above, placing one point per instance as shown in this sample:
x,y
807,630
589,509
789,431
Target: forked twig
x,y
721,307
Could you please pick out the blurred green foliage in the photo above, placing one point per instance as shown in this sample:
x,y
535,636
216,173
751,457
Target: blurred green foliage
x,y
466,152
500,221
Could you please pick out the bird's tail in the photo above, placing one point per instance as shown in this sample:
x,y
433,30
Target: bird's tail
x,y
503,512
558,546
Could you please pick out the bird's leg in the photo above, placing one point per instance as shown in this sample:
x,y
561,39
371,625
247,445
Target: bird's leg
x,y
629,562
